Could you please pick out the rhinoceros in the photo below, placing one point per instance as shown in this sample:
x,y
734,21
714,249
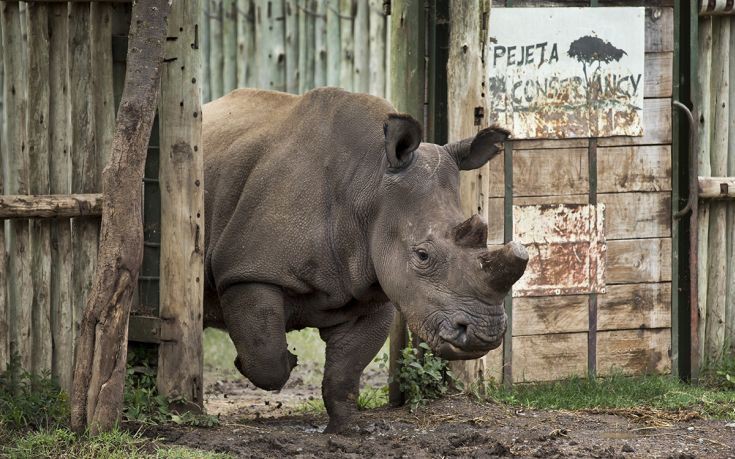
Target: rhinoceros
x,y
326,210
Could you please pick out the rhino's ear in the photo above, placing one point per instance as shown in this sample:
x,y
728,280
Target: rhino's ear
x,y
402,138
475,152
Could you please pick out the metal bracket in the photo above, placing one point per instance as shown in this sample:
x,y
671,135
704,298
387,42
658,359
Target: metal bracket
x,y
693,169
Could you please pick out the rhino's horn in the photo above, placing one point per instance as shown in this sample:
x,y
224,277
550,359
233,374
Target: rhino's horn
x,y
471,232
505,265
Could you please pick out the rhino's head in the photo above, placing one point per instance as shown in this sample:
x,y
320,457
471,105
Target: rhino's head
x,y
432,263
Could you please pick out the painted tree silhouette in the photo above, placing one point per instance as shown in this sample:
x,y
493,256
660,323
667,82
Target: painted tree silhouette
x,y
589,49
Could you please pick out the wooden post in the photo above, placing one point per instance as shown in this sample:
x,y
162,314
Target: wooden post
x,y
180,364
62,311
245,43
730,246
295,18
4,313
347,40
50,206
465,76
229,45
270,44
702,113
377,49
334,47
320,44
716,266
306,46
216,58
20,292
361,78
407,86
204,46
101,350
38,160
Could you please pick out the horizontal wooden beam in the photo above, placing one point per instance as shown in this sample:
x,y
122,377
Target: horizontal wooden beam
x,y
50,206
717,187
67,1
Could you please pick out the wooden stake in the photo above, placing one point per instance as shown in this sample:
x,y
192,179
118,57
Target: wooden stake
x,y
62,311
334,46
347,56
377,49
229,45
204,33
101,350
245,43
295,20
38,160
180,364
270,43
320,44
216,58
730,246
20,291
4,313
361,77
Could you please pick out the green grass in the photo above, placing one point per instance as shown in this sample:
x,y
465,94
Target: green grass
x,y
620,392
62,443
369,399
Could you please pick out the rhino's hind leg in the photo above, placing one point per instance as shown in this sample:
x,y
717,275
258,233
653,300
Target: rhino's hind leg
x,y
350,348
255,320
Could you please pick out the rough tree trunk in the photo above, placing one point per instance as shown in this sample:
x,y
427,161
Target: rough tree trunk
x,y
101,350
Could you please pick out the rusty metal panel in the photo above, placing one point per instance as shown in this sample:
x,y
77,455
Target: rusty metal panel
x,y
566,247
566,72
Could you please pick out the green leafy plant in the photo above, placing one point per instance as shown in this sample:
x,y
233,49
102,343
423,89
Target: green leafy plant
x,y
372,398
144,404
30,401
423,378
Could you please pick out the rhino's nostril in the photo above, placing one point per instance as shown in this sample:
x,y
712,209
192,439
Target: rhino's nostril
x,y
461,330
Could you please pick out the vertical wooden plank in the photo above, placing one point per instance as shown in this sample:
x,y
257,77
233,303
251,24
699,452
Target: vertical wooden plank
x,y
204,46
180,362
464,86
361,80
307,76
716,266
4,313
347,40
229,45
62,312
295,31
216,57
270,45
730,246
245,44
377,49
38,160
334,46
702,113
320,44
20,291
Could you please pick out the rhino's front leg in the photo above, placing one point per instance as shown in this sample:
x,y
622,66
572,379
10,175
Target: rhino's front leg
x,y
255,319
350,348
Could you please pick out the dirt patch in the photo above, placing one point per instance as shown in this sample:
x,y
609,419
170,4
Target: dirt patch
x,y
458,426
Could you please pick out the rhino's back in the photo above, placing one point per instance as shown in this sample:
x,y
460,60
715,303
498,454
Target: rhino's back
x,y
271,164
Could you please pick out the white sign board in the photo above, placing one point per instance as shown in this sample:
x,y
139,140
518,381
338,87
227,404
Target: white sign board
x,y
566,72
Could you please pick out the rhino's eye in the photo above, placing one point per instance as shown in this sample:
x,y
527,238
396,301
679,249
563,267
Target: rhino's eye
x,y
422,254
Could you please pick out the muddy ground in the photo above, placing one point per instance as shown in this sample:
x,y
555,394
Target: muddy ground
x,y
259,424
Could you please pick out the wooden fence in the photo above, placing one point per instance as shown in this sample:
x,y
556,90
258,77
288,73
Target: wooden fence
x,y
61,88
293,45
715,111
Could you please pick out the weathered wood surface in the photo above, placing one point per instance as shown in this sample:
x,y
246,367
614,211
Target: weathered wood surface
x,y
658,75
216,55
549,357
634,351
101,350
38,161
636,215
716,187
638,260
634,306
659,30
703,114
204,45
4,312
730,281
320,43
656,122
361,71
270,45
229,45
20,292
714,342
639,168
346,38
334,52
62,311
544,173
377,48
295,45
544,315
180,362
50,206
246,56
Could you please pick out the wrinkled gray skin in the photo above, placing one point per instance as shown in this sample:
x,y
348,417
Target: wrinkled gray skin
x,y
325,210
